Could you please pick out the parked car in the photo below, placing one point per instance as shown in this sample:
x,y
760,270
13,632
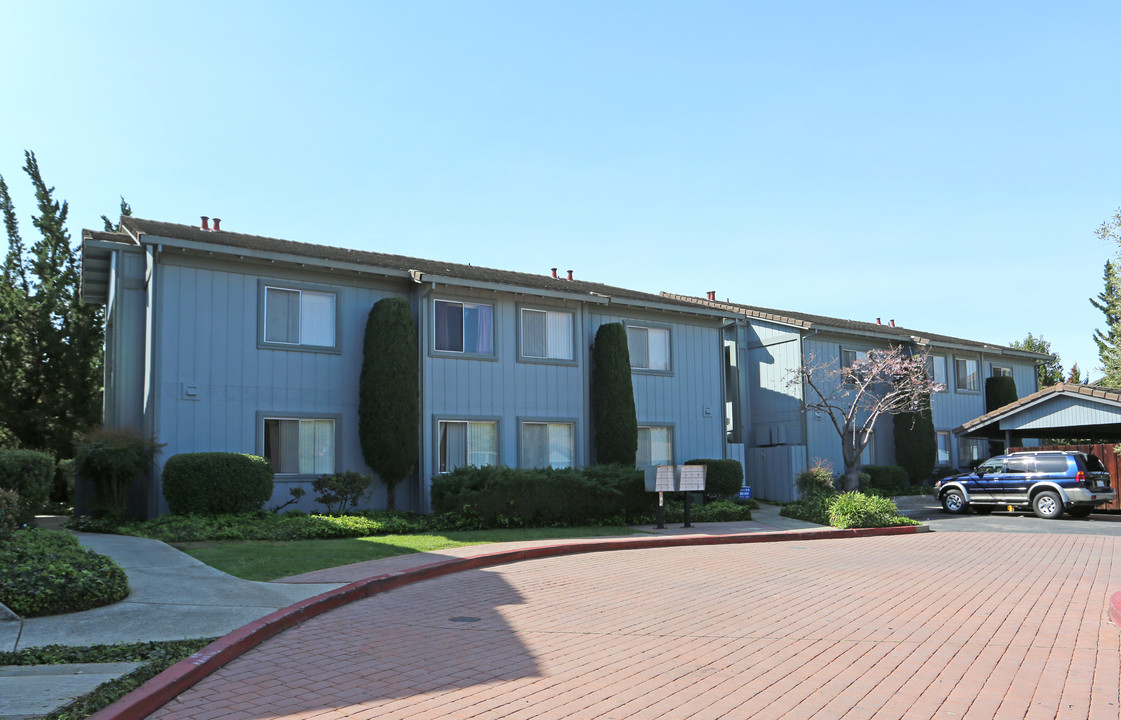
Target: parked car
x,y
1047,481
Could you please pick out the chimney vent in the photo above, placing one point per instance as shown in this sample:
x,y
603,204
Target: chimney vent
x,y
569,274
711,294
554,272
205,222
878,321
893,322
216,221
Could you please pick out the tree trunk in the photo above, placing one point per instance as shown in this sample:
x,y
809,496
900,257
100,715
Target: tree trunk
x,y
852,477
391,496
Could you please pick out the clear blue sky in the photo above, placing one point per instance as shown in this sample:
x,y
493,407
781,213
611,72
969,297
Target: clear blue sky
x,y
943,164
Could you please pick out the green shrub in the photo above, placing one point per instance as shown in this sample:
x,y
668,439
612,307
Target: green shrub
x,y
30,474
811,508
816,480
723,479
498,496
216,482
8,440
887,479
46,572
717,511
62,491
9,513
110,460
342,491
857,510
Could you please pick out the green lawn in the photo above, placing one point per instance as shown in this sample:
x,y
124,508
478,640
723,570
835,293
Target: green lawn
x,y
268,560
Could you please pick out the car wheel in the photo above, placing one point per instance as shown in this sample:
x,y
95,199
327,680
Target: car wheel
x,y
954,502
983,509
1047,505
1080,511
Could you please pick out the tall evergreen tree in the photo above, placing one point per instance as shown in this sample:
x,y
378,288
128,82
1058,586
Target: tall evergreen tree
x,y
613,409
389,394
1109,342
111,226
52,378
1047,372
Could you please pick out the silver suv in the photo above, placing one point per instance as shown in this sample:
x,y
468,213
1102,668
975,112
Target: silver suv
x,y
1047,481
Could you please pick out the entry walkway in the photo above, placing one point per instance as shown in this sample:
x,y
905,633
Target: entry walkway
x,y
867,627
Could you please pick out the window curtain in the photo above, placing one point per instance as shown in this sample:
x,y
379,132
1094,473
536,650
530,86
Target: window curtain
x,y
317,447
535,445
658,348
482,443
317,319
282,443
661,446
282,315
560,445
478,328
560,335
638,344
533,336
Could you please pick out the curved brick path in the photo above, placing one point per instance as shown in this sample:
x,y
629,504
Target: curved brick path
x,y
882,627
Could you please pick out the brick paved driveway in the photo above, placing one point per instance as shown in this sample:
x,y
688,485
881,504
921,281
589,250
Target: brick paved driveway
x,y
914,626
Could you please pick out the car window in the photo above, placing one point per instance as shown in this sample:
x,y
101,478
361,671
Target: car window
x,y
990,466
1094,464
1051,463
1020,465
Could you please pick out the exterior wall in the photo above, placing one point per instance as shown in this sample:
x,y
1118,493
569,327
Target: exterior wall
x,y
1060,411
215,382
124,342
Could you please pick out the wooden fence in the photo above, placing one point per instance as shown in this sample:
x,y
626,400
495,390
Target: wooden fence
x,y
1105,453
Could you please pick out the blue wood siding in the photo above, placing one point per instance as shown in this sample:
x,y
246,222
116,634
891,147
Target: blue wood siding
x,y
774,352
1063,410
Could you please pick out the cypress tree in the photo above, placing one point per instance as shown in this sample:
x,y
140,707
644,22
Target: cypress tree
x,y
15,335
916,445
999,391
389,394
613,410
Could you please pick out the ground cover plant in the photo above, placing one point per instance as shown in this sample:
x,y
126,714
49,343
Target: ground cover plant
x,y
156,656
47,572
847,510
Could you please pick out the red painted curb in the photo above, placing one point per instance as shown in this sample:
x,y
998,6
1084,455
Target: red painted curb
x,y
1115,609
160,690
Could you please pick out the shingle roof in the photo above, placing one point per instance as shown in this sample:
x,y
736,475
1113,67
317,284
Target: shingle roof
x,y
809,321
137,226
1109,395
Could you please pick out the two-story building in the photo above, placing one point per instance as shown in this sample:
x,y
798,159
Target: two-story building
x,y
222,341
769,427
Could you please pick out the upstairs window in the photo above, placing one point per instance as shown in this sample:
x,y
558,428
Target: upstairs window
x,y
464,327
300,446
936,370
649,348
1001,371
966,376
547,334
299,318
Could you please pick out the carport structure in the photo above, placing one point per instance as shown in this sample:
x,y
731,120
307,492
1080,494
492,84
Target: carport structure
x,y
1087,413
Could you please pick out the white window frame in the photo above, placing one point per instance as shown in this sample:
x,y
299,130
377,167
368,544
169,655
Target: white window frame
x,y
643,364
933,363
324,461
560,343
939,436
650,459
443,464
551,426
307,326
961,383
463,351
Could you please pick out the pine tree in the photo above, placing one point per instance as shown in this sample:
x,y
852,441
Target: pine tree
x,y
1109,342
51,366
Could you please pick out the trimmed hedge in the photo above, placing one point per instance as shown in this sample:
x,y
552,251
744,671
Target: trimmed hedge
x,y
215,483
888,479
723,479
30,474
47,572
499,496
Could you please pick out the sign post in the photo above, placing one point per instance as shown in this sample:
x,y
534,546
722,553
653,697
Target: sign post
x,y
661,479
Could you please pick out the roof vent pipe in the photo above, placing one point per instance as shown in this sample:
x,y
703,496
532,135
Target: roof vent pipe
x,y
878,321
554,273
893,322
712,295
205,222
216,221
569,274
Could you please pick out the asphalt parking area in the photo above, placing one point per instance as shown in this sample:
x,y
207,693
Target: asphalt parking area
x,y
935,625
